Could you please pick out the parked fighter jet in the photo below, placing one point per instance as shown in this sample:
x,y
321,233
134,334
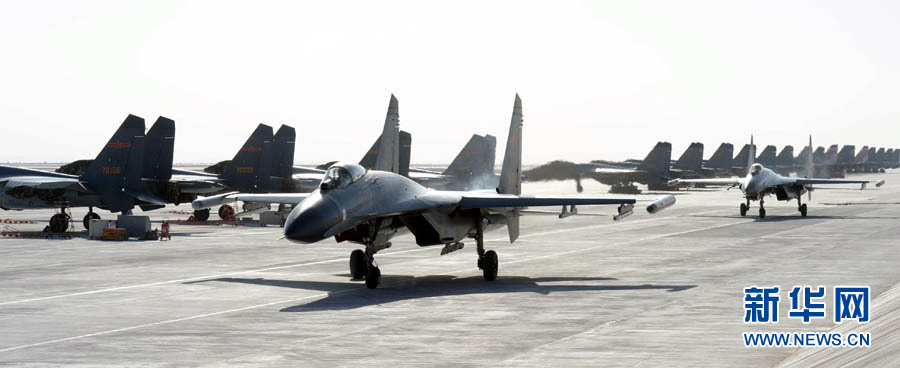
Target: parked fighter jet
x,y
111,182
370,207
653,171
761,182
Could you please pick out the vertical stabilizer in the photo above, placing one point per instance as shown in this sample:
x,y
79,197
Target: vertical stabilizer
x,y
159,150
247,168
388,156
809,159
692,158
107,171
721,159
405,148
511,173
283,143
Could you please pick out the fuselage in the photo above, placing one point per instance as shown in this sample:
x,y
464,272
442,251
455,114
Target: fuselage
x,y
761,181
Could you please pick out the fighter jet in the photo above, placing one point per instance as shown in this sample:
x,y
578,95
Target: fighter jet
x,y
111,182
761,182
370,207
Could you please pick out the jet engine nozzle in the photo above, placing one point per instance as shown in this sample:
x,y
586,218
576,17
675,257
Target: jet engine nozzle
x,y
661,203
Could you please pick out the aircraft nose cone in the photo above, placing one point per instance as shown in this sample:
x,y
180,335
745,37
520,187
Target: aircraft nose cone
x,y
309,222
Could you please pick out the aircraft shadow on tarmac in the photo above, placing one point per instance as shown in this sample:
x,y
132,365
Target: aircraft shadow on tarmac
x,y
399,288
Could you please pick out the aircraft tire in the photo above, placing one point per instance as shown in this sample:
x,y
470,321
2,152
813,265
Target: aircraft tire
x,y
490,265
87,219
803,210
358,264
762,213
743,209
59,223
373,277
226,212
201,215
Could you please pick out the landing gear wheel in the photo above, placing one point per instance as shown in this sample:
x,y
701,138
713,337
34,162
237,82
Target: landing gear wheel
x,y
373,277
201,215
762,213
803,210
490,265
743,209
59,223
226,212
87,219
357,264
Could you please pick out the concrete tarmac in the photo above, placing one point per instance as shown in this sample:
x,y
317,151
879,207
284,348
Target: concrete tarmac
x,y
663,290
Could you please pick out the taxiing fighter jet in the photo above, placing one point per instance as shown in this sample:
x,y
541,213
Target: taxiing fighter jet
x,y
370,207
761,182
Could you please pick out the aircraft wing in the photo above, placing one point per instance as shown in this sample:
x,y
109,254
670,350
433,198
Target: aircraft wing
x,y
43,182
261,198
711,181
804,181
449,200
508,200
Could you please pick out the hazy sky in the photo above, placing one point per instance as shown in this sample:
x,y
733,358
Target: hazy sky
x,y
598,79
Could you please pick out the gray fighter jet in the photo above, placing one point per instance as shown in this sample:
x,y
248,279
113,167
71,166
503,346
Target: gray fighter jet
x,y
370,207
761,182
111,182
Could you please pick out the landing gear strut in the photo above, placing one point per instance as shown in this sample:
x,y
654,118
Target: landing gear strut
x,y
487,261
801,207
373,274
762,210
91,215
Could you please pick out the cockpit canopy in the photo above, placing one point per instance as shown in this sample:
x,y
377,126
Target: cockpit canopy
x,y
755,169
340,175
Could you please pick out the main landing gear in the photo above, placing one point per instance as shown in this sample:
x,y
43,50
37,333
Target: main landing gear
x,y
59,223
91,215
487,261
744,208
226,212
801,207
201,215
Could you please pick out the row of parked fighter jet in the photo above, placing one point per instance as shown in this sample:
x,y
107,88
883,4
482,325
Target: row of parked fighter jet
x,y
657,168
134,169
